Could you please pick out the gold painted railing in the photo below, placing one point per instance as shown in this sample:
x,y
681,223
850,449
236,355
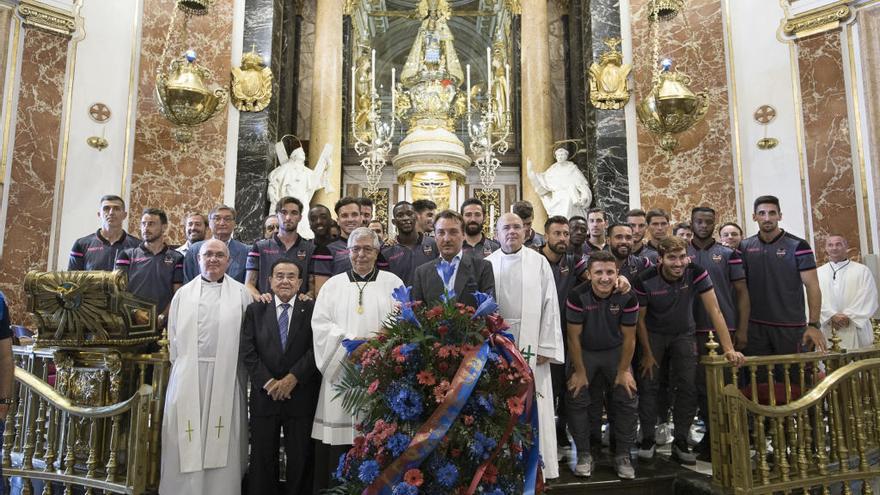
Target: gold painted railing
x,y
799,422
52,442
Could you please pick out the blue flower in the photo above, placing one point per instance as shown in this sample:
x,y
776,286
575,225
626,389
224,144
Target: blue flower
x,y
368,471
402,294
486,305
448,296
496,491
406,403
351,344
482,446
340,468
397,443
484,402
447,475
404,489
407,349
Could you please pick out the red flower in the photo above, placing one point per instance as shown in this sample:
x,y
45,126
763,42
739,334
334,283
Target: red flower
x,y
442,330
413,477
441,390
443,367
468,420
426,378
434,312
491,474
373,387
515,405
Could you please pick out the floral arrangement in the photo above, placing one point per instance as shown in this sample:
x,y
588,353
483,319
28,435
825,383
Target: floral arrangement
x,y
445,403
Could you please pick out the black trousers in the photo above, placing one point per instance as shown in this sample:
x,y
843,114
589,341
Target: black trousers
x,y
326,460
676,355
298,447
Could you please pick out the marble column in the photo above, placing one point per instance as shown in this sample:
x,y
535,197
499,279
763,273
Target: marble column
x,y
326,125
537,140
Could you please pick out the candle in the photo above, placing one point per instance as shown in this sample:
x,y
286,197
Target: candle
x,y
468,68
492,218
488,72
507,84
393,92
353,104
373,73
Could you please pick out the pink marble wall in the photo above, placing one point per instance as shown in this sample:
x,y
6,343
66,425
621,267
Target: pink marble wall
x,y
163,174
701,171
827,137
33,165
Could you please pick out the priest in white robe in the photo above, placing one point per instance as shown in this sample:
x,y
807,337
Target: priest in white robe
x,y
849,296
204,430
526,294
352,305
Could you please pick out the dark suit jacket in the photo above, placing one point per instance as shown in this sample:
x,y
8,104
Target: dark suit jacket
x,y
261,352
474,274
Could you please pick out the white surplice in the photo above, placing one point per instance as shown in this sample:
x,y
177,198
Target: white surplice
x,y
852,292
204,430
335,318
527,301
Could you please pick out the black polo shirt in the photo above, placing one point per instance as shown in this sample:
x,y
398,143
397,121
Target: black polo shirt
x,y
601,317
481,249
334,258
536,241
567,274
152,276
725,267
402,260
632,266
94,252
265,252
773,275
670,303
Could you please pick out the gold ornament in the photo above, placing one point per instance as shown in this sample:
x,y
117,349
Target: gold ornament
x,y
184,96
608,79
251,83
672,108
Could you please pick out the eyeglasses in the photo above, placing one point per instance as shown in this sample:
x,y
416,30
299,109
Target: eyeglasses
x,y
212,255
362,249
271,227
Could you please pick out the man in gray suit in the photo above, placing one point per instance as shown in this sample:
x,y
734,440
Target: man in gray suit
x,y
453,270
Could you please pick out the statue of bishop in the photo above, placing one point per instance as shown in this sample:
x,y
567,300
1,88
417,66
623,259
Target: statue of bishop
x,y
563,188
294,178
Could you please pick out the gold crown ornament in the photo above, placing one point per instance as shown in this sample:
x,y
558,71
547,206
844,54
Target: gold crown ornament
x,y
251,83
184,96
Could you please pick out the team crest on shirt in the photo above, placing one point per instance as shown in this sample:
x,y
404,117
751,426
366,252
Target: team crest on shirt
x,y
487,250
563,270
780,252
301,254
427,249
614,309
169,260
717,258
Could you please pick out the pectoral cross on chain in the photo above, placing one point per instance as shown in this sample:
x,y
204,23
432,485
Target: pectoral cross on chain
x,y
219,426
527,353
189,430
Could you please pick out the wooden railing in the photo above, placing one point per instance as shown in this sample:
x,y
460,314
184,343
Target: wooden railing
x,y
800,422
52,442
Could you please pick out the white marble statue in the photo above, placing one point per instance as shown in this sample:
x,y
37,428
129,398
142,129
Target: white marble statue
x,y
294,178
563,188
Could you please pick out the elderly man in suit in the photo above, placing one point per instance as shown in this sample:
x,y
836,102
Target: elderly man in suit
x,y
277,350
463,273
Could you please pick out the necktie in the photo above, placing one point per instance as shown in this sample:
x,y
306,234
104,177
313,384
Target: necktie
x,y
283,323
447,269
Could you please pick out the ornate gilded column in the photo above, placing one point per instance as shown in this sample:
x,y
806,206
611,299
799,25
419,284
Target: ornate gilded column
x,y
536,137
327,95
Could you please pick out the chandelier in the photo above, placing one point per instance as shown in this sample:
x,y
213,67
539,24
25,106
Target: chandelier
x,y
183,89
489,132
373,141
671,107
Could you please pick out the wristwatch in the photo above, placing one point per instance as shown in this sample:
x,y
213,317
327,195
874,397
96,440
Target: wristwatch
x,y
814,324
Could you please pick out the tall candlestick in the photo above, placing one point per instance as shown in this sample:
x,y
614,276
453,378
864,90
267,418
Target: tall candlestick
x,y
373,72
507,84
468,70
393,92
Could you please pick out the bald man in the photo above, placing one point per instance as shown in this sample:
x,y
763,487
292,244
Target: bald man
x,y
849,296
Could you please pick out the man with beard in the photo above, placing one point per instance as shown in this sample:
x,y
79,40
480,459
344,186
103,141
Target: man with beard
x,y
726,271
287,243
155,271
98,251
620,241
526,211
778,267
425,210
366,207
596,223
658,227
474,213
526,294
411,249
195,226
636,219
568,270
668,346
334,259
579,232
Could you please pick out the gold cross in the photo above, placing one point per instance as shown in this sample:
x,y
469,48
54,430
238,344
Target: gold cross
x,y
189,430
219,426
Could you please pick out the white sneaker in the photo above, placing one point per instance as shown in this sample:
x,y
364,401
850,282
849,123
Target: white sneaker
x,y
663,433
624,467
563,454
646,452
584,467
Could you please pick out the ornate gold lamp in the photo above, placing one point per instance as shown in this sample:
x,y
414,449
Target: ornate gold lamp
x,y
184,89
671,107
